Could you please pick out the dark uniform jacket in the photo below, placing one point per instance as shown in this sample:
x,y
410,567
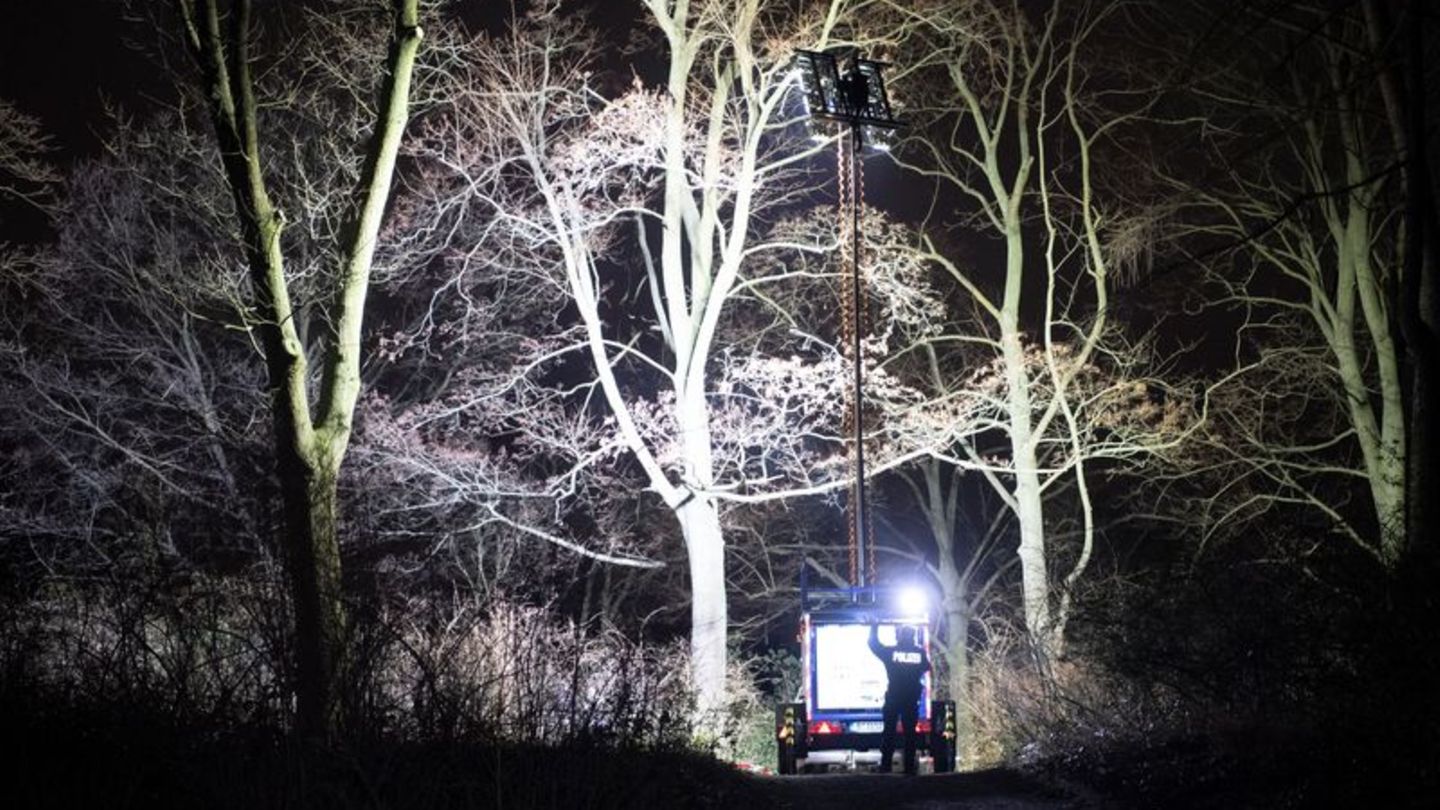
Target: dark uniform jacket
x,y
905,665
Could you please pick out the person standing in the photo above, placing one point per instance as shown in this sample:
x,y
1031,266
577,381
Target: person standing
x,y
905,665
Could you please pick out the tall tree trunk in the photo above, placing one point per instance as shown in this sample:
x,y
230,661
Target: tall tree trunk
x,y
705,548
1034,568
1415,295
941,506
709,613
312,545
957,661
955,604
1029,507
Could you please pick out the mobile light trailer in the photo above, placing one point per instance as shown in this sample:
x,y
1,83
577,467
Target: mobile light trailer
x,y
839,716
837,720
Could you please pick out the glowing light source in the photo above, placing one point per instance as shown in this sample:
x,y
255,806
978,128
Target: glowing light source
x,y
913,601
842,89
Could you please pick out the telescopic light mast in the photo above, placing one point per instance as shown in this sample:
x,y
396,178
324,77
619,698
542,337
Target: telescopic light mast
x,y
852,101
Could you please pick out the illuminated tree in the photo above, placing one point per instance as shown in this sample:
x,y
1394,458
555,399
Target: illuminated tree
x,y
312,422
1311,205
663,217
1009,119
25,175
130,384
968,566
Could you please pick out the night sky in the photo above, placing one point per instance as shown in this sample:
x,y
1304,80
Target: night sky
x,y
62,61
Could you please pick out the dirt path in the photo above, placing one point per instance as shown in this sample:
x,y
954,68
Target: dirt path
x,y
979,790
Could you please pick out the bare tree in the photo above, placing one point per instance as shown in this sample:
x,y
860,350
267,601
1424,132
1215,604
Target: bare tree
x,y
1010,120
1310,204
25,175
130,375
659,216
27,178
968,566
311,427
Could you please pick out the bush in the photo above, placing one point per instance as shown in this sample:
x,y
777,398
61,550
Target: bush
x,y
756,687
196,649
161,692
515,674
212,652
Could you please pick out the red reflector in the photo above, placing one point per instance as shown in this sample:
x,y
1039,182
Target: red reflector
x,y
826,727
922,726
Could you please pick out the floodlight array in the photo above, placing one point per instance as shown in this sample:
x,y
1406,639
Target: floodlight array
x,y
826,89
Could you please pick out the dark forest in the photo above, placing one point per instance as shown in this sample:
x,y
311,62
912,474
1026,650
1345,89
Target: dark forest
x,y
473,403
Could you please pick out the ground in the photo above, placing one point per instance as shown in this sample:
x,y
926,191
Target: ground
x,y
997,789
60,758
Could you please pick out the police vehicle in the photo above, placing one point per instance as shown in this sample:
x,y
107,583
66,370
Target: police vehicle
x,y
837,717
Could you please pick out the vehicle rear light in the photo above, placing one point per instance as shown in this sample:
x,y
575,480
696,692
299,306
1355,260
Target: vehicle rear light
x,y
826,727
922,727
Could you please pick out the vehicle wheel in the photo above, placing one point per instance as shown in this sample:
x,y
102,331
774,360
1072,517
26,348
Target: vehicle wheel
x,y
943,757
787,759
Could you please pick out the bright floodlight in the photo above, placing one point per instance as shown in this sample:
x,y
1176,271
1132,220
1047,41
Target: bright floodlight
x,y
851,93
914,602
